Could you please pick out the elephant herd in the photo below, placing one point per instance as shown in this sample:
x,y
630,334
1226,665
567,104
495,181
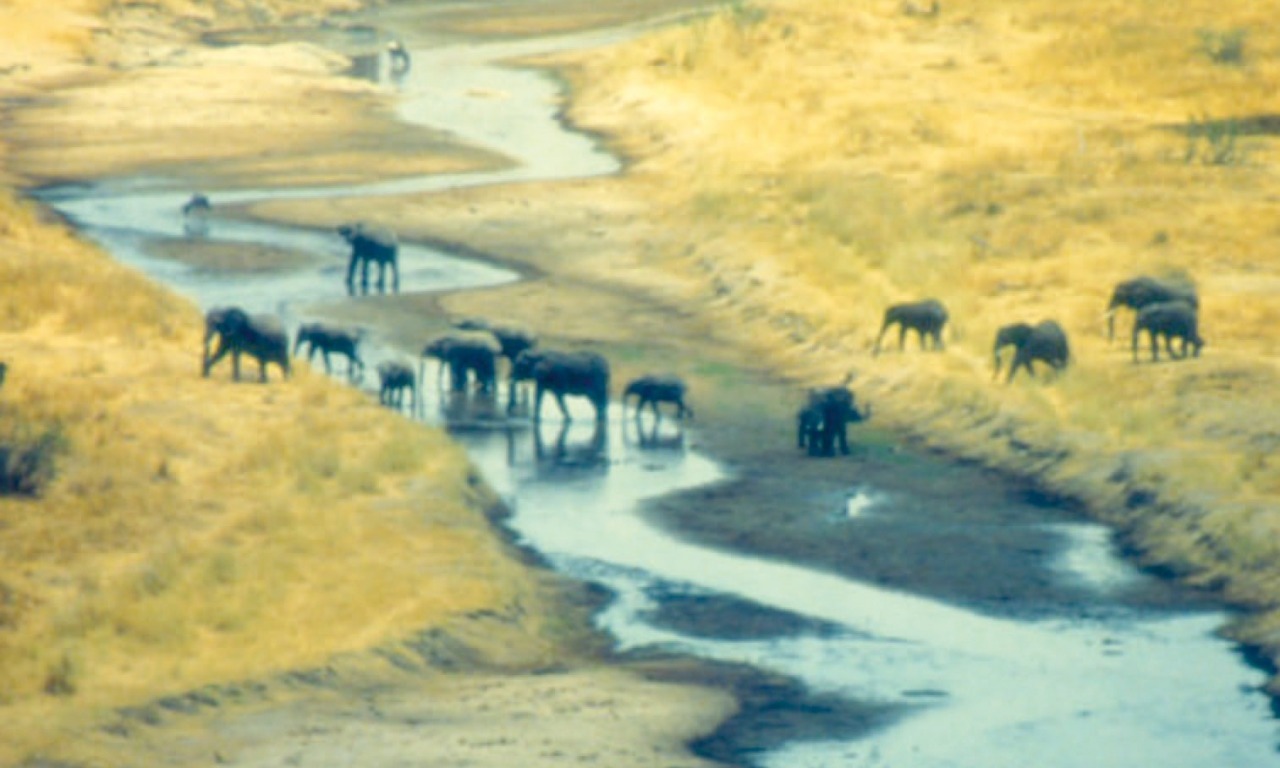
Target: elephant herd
x,y
470,356
1165,310
473,351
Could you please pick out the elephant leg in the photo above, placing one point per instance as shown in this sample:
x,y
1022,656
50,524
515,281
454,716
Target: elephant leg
x,y
817,438
262,370
564,410
235,363
364,275
382,276
537,402
1155,347
902,337
208,359
351,274
395,275
328,367
875,350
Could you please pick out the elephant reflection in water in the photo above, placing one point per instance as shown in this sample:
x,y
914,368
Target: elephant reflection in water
x,y
653,436
591,453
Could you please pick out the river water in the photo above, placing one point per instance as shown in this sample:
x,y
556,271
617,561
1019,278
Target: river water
x,y
1114,686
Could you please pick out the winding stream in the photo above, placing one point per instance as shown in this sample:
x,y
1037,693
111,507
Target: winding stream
x,y
1121,687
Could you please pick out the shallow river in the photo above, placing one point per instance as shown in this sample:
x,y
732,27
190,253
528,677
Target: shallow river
x,y
1112,686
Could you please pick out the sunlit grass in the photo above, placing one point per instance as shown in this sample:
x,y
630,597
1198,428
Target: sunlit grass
x,y
195,531
1016,160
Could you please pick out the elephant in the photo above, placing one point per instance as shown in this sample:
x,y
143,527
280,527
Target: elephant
x,y
331,339
195,214
465,354
371,244
394,377
1170,319
926,318
1045,341
261,336
511,340
4,371
585,374
398,56
1144,291
823,421
653,389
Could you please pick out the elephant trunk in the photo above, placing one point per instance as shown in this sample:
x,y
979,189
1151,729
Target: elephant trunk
x,y
1111,323
204,357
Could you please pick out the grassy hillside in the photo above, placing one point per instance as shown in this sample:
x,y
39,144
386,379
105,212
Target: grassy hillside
x,y
159,531
822,159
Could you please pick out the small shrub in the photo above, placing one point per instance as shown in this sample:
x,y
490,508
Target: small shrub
x,y
745,14
1223,46
61,679
27,461
1213,142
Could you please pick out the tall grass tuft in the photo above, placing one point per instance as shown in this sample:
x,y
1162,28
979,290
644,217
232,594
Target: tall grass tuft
x,y
1223,46
28,454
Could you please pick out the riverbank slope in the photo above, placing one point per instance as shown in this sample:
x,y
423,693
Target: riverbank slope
x,y
180,551
797,166
809,162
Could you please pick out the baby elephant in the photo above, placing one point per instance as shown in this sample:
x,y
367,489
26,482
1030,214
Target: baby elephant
x,y
1170,319
1046,342
652,389
329,339
394,379
823,421
926,318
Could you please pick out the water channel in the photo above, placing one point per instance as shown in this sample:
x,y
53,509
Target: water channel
x,y
1117,685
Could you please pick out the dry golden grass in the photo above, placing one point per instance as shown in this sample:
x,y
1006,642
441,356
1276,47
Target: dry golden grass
x,y
201,531
1015,159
